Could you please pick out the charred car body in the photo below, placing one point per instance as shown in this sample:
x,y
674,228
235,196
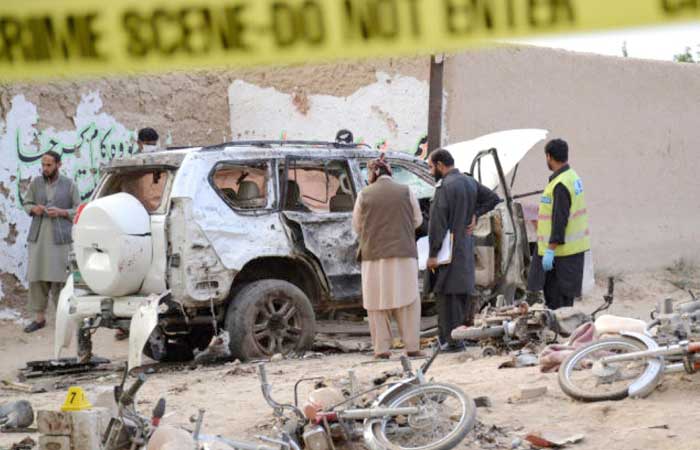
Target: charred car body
x,y
251,237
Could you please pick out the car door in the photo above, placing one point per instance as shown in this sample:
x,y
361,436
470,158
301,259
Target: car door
x,y
318,195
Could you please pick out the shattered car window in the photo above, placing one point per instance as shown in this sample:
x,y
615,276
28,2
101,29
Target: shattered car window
x,y
243,186
319,187
420,187
148,186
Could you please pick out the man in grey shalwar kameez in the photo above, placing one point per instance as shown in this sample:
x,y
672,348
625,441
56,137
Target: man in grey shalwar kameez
x,y
51,202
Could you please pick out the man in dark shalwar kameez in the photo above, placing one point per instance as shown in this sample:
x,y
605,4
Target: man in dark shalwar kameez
x,y
458,200
563,234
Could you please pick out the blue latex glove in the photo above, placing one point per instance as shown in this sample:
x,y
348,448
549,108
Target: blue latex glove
x,y
548,260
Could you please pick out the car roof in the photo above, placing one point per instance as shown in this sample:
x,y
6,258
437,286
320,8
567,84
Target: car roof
x,y
246,150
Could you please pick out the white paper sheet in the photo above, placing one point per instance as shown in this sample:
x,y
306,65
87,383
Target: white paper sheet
x,y
444,255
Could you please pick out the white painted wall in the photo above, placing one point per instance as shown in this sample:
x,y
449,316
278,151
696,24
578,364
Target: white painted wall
x,y
392,112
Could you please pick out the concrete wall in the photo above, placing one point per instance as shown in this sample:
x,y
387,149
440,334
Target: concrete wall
x,y
383,102
632,127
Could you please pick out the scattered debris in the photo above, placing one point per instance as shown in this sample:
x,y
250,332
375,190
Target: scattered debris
x,y
236,368
21,387
16,415
277,357
510,327
343,345
54,442
218,349
25,444
63,366
76,430
483,402
386,375
313,355
529,392
53,423
520,359
491,437
552,440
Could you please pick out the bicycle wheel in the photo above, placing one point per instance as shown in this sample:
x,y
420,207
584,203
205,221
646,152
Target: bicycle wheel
x,y
583,377
446,415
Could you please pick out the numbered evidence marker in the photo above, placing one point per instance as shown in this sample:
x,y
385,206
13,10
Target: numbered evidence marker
x,y
76,400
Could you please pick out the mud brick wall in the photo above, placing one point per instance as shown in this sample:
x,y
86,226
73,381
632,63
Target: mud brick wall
x,y
90,122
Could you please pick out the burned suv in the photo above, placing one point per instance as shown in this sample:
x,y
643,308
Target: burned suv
x,y
254,238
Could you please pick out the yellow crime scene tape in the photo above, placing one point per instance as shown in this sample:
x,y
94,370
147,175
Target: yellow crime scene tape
x,y
57,38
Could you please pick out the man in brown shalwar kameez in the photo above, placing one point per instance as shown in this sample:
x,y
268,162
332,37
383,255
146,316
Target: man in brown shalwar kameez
x,y
385,218
51,202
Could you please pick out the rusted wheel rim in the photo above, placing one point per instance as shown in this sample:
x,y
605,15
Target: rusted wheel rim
x,y
277,327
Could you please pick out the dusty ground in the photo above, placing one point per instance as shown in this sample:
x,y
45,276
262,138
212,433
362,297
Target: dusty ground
x,y
666,420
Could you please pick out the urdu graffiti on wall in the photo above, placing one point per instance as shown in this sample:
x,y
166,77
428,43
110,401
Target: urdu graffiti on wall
x,y
91,148
96,139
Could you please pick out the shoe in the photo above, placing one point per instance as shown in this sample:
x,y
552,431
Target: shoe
x,y
452,347
121,335
416,354
34,326
382,356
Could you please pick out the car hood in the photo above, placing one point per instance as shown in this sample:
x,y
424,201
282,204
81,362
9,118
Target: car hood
x,y
512,146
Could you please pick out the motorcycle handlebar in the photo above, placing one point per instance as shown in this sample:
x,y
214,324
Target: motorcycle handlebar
x,y
128,396
262,373
429,362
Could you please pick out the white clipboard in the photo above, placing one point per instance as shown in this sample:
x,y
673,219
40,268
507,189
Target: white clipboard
x,y
444,256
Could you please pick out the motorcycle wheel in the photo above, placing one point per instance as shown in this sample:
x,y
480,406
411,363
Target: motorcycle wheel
x,y
446,415
583,377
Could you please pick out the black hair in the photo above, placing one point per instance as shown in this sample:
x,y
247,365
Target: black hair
x,y
558,149
344,136
423,141
56,157
148,135
443,156
383,171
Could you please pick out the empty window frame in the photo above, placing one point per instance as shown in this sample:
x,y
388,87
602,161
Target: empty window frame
x,y
244,186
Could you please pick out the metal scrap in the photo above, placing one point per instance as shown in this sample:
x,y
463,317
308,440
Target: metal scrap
x,y
14,415
25,444
63,366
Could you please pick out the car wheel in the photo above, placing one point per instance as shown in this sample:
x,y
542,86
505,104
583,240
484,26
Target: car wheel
x,y
269,317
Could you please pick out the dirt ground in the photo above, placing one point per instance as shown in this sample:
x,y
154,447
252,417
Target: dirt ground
x,y
235,408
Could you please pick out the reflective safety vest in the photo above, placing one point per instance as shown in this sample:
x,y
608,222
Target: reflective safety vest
x,y
577,232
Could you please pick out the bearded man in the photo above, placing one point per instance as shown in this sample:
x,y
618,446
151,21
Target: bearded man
x,y
51,202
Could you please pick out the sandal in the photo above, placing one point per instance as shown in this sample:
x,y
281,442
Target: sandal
x,y
34,326
382,356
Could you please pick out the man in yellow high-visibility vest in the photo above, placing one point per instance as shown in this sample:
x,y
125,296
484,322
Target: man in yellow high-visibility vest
x,y
563,235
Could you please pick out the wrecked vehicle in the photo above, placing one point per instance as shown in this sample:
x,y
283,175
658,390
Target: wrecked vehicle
x,y
253,238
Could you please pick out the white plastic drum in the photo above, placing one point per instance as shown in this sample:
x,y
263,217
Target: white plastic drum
x,y
112,244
